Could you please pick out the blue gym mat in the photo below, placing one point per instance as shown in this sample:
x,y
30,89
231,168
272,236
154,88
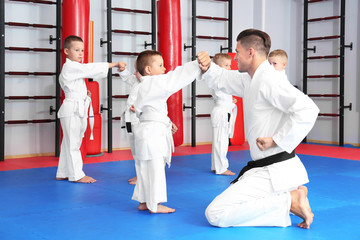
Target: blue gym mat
x,y
33,205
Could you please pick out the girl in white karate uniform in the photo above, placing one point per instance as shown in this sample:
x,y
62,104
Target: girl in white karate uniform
x,y
73,112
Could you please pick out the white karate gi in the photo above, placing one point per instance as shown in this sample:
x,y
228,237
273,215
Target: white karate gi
x,y
223,129
272,108
128,115
73,114
153,138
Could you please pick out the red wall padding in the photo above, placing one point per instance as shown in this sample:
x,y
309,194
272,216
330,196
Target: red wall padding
x,y
239,133
169,44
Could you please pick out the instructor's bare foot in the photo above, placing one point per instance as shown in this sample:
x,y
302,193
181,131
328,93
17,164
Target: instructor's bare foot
x,y
142,207
228,173
300,207
86,179
307,199
61,179
163,209
132,181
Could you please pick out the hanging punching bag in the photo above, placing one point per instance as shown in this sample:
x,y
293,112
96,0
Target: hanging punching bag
x,y
239,133
75,21
169,44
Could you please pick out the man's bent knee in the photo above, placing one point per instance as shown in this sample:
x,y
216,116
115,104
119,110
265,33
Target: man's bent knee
x,y
214,216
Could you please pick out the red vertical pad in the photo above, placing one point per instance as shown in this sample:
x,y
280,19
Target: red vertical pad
x,y
75,21
239,133
169,44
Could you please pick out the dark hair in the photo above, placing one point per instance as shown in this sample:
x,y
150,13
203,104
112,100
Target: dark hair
x,y
256,39
69,39
220,56
145,59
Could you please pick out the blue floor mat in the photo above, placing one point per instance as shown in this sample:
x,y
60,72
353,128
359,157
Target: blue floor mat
x,y
35,206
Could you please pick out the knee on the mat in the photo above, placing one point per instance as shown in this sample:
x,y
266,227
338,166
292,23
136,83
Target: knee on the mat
x,y
214,216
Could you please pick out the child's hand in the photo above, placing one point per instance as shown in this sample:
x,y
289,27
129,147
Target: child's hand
x,y
138,75
173,128
88,93
234,100
122,66
132,108
204,60
265,143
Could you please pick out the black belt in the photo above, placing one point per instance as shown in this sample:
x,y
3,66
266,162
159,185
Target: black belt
x,y
279,157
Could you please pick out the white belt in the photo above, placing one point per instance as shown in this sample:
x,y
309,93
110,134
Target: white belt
x,y
82,105
165,120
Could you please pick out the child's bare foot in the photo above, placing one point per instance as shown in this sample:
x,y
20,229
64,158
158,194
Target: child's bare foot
x,y
142,207
300,206
86,179
132,181
227,173
61,179
163,209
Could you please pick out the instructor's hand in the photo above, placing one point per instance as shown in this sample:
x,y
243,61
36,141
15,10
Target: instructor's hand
x,y
204,60
265,143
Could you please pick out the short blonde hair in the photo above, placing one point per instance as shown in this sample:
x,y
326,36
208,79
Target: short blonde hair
x,y
279,53
221,56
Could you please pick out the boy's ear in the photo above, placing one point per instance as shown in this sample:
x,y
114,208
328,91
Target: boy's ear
x,y
66,51
147,70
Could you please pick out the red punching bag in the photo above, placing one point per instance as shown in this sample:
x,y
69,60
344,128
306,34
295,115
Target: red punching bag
x,y
169,44
75,21
239,133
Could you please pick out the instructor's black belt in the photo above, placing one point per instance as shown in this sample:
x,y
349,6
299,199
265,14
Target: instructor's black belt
x,y
279,157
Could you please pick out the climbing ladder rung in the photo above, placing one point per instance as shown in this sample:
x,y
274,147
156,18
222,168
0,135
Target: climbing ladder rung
x,y
131,32
324,95
35,25
212,18
35,1
324,18
323,76
212,37
131,10
126,53
30,49
324,57
323,38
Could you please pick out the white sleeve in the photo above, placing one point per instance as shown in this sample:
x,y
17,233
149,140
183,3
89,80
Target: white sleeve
x,y
76,71
302,113
128,78
228,81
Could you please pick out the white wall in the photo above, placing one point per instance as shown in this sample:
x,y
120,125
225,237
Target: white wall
x,y
282,19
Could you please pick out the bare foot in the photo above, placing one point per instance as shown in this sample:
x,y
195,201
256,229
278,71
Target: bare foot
x,y
227,173
86,179
132,181
61,179
300,207
142,207
307,199
163,209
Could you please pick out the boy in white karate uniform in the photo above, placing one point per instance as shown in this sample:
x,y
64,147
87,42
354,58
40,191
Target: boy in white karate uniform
x,y
277,118
129,116
153,136
73,112
222,121
278,58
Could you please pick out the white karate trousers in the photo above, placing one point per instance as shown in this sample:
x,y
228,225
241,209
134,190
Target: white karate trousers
x,y
220,145
150,186
251,201
70,160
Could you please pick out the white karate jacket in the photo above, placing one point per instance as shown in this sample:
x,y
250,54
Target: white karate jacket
x,y
72,83
272,108
152,138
